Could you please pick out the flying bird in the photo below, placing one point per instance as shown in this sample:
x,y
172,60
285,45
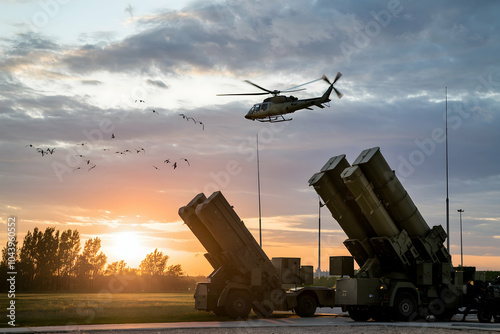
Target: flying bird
x,y
92,167
51,151
186,160
166,161
39,150
175,165
203,125
155,112
140,101
141,149
156,167
113,136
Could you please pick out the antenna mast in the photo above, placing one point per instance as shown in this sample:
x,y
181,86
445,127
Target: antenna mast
x,y
258,189
447,199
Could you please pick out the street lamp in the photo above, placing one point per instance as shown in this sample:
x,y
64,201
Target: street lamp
x,y
461,247
319,235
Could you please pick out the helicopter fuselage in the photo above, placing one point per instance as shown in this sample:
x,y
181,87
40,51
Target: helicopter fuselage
x,y
275,106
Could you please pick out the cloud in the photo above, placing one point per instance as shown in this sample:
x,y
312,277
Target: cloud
x,y
55,94
91,82
157,83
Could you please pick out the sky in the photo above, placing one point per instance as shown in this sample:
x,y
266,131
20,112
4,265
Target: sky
x,y
73,75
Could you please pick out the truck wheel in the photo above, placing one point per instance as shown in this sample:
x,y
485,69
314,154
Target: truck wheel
x,y
405,306
484,315
238,304
220,311
359,315
264,309
381,315
306,306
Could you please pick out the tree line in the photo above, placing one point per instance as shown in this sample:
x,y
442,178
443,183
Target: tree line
x,y
54,261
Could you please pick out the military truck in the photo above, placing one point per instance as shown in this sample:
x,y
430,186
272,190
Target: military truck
x,y
405,271
243,277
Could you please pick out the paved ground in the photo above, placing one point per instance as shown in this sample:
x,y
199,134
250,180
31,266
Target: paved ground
x,y
329,321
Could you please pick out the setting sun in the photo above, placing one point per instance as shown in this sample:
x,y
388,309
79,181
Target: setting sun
x,y
127,246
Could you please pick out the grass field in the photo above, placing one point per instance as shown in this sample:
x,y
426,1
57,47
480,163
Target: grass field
x,y
93,308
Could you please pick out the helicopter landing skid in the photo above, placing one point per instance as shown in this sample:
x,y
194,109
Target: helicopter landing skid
x,y
275,119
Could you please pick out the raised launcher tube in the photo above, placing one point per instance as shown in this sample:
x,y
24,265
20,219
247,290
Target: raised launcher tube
x,y
404,213
240,249
339,200
370,205
391,192
187,213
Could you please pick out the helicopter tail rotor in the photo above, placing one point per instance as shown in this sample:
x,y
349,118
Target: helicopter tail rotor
x,y
337,77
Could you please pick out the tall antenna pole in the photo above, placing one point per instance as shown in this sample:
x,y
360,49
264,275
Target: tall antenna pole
x,y
447,199
258,189
319,237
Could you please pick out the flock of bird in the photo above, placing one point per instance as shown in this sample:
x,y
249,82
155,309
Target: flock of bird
x,y
88,164
41,150
195,121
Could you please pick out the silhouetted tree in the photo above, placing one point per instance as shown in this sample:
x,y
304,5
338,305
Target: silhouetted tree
x,y
117,268
27,259
175,270
47,262
91,262
69,247
5,253
154,264
67,253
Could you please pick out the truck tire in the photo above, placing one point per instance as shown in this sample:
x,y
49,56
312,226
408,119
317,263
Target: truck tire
x,y
381,315
220,311
359,315
484,315
238,304
263,309
306,306
405,306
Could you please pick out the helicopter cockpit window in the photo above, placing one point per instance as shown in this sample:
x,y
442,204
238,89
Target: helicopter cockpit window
x,y
264,106
256,107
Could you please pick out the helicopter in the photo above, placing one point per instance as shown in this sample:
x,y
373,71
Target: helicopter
x,y
273,108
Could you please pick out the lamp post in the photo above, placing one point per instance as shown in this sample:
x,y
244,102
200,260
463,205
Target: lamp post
x,y
461,247
258,190
319,234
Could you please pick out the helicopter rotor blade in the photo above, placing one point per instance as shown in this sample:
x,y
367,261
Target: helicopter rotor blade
x,y
337,77
262,88
339,94
295,90
292,89
326,79
242,94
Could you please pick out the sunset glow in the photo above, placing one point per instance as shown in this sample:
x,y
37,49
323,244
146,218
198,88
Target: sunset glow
x,y
126,99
